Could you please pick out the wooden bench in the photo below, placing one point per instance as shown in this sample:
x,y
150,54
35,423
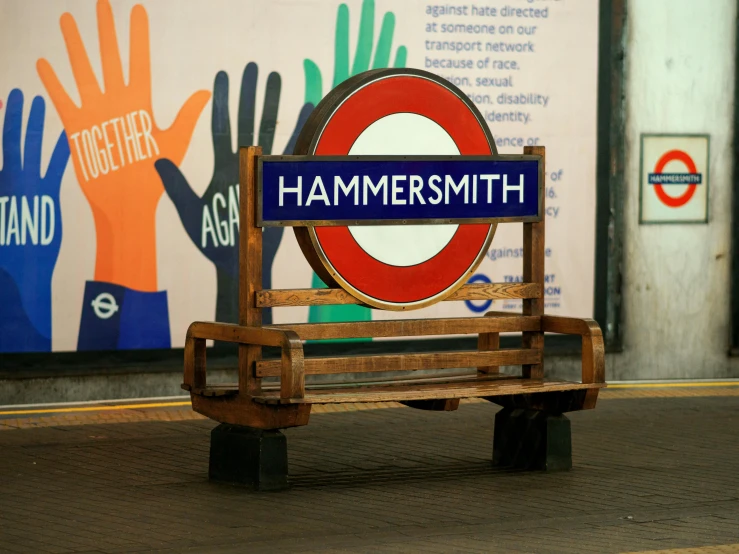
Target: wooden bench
x,y
530,431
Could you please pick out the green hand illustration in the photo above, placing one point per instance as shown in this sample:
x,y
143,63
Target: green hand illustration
x,y
313,79
314,93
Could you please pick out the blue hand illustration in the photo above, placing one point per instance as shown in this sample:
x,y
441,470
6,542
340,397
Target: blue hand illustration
x,y
212,221
30,228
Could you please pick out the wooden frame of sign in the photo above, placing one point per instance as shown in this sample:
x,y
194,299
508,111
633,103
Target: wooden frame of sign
x,y
252,404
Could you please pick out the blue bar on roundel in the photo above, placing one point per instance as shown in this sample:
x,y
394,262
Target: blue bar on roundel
x,y
357,190
675,178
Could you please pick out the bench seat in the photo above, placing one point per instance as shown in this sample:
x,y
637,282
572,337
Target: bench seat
x,y
464,387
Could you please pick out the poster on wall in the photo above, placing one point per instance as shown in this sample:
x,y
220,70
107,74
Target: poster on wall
x,y
121,122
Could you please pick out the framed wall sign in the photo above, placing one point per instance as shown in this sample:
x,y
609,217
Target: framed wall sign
x,y
674,179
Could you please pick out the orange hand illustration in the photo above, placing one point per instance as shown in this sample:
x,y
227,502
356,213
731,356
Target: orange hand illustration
x,y
114,143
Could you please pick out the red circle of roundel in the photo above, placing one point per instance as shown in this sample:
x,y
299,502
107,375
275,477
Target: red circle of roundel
x,y
402,94
684,198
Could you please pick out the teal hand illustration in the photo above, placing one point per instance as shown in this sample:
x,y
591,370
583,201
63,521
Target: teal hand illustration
x,y
314,92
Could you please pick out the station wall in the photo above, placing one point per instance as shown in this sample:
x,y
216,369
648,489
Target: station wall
x,y
679,78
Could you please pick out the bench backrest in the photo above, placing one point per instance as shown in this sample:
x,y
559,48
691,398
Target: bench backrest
x,y
252,299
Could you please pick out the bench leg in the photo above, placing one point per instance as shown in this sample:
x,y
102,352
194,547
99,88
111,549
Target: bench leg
x,y
247,456
532,439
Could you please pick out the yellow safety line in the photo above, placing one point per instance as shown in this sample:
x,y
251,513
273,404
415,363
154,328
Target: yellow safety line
x,y
96,408
714,549
187,403
675,385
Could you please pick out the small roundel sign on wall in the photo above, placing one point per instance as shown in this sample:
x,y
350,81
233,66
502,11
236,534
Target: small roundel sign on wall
x,y
674,179
396,188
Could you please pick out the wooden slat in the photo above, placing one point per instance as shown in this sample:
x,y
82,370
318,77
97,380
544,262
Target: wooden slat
x,y
413,327
230,389
405,362
493,291
230,332
318,297
470,389
570,325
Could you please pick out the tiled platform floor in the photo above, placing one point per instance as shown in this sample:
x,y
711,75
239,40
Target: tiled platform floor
x,y
652,473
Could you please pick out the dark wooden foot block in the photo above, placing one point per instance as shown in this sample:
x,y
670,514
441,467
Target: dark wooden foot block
x,y
532,439
247,456
443,405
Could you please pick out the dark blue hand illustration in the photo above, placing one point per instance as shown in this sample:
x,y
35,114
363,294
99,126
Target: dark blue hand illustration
x,y
212,221
30,228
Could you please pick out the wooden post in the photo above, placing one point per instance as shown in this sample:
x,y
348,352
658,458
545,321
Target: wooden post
x,y
292,374
488,341
194,375
533,272
250,267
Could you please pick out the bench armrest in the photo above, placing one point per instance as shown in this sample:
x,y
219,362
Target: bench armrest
x,y
292,377
593,351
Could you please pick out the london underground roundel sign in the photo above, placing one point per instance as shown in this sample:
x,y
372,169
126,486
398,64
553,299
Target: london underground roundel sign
x,y
396,112
684,198
396,188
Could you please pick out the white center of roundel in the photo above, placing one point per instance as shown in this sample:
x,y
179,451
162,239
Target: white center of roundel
x,y
675,166
412,135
